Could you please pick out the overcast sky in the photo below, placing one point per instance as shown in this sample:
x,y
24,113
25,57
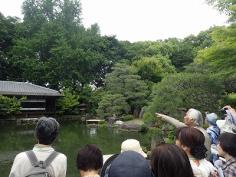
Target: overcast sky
x,y
139,20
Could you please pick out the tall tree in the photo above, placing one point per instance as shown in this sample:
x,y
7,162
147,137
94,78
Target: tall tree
x,y
8,32
38,12
55,45
123,80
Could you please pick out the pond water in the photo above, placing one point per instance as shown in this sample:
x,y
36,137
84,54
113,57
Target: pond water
x,y
72,136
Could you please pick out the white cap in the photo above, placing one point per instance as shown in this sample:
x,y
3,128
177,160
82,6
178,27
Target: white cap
x,y
132,145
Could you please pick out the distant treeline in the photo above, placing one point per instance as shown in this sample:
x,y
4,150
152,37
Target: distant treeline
x,y
51,47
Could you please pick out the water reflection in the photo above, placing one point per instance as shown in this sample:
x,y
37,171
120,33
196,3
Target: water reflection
x,y
71,138
92,131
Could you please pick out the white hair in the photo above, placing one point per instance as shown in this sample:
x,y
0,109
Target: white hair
x,y
195,115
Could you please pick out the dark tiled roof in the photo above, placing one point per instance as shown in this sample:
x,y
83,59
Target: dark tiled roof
x,y
24,88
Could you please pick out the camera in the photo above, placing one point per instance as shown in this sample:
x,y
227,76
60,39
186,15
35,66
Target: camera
x,y
223,110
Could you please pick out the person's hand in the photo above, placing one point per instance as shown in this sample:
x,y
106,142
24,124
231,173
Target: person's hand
x,y
227,107
214,174
230,109
159,115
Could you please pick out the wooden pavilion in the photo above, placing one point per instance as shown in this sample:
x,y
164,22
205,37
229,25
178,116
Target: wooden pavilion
x,y
39,100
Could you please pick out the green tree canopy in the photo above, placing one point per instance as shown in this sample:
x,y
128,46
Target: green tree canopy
x,y
184,91
123,80
153,68
54,44
8,33
221,56
68,103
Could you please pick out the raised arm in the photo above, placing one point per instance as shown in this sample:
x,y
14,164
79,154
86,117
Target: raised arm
x,y
171,120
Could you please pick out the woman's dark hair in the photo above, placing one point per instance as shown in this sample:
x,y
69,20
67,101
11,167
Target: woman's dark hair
x,y
46,130
194,140
89,158
168,160
228,143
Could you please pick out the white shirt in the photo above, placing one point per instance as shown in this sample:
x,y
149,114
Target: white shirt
x,y
22,164
204,169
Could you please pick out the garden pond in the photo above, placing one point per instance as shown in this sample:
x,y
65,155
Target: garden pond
x,y
73,135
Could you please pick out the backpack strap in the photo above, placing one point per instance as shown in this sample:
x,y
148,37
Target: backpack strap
x,y
32,157
50,158
44,164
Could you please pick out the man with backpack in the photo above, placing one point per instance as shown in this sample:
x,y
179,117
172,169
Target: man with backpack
x,y
43,160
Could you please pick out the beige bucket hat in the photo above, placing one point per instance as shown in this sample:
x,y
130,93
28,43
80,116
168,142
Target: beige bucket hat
x,y
132,145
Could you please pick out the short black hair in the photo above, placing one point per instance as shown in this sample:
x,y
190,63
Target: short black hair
x,y
169,160
228,143
193,139
89,158
46,130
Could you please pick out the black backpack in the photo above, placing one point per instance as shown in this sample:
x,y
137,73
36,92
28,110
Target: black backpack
x,y
40,168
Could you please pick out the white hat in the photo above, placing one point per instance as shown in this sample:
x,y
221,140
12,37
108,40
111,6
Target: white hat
x,y
225,126
132,145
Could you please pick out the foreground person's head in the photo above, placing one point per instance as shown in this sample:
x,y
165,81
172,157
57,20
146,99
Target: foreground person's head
x,y
130,164
227,145
193,117
132,145
169,160
191,140
89,160
46,131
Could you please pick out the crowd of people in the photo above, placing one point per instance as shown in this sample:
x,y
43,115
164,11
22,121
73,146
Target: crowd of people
x,y
196,153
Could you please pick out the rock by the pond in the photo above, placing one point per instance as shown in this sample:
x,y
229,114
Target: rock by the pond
x,y
111,120
132,127
118,122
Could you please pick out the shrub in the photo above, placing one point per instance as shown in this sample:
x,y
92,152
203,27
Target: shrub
x,y
67,104
9,106
112,105
127,117
144,128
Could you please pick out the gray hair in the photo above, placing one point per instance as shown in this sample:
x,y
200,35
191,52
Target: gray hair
x,y
195,115
46,130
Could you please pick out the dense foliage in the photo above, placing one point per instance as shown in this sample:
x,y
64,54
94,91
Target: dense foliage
x,y
123,82
153,68
68,103
9,106
113,105
52,48
221,56
177,93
